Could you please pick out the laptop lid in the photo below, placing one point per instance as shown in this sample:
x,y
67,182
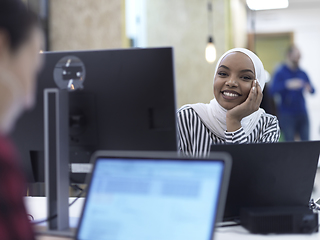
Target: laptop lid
x,y
270,174
149,195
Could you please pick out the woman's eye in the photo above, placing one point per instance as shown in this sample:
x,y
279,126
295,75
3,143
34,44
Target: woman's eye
x,y
223,74
247,78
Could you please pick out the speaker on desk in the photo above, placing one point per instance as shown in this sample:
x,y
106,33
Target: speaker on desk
x,y
279,220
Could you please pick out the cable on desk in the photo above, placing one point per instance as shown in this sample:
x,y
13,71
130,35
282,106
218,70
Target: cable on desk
x,y
48,219
45,220
79,195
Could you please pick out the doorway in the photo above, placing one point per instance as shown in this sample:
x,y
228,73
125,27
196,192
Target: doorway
x,y
271,48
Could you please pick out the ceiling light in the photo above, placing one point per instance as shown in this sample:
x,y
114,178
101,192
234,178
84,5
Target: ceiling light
x,y
211,52
267,4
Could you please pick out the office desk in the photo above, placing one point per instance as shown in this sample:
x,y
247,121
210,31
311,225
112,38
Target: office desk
x,y
37,206
240,233
230,233
52,238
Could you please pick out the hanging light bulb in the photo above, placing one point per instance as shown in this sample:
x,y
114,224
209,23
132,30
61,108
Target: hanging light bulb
x,y
211,53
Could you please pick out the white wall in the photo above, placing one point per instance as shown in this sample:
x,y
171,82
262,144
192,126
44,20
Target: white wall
x,y
239,24
183,24
305,24
136,22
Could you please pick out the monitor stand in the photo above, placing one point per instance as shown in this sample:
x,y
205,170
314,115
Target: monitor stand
x,y
56,148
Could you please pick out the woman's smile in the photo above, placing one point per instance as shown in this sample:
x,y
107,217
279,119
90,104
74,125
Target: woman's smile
x,y
230,95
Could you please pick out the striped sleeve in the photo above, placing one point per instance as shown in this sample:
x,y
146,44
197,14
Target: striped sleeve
x,y
266,131
270,129
238,136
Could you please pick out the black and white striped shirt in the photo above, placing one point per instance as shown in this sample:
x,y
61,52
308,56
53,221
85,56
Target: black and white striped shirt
x,y
195,138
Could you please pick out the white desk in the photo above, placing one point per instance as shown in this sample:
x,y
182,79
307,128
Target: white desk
x,y
232,233
37,207
52,238
240,233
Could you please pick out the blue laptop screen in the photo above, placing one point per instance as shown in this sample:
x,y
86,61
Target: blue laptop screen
x,y
151,199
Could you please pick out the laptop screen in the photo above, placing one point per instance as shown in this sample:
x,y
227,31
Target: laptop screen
x,y
151,199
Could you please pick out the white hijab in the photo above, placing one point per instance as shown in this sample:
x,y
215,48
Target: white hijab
x,y
213,115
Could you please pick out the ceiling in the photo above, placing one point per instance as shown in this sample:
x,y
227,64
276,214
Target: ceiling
x,y
301,4
305,4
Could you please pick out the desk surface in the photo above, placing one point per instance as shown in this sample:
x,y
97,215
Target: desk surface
x,y
37,207
240,233
52,238
228,233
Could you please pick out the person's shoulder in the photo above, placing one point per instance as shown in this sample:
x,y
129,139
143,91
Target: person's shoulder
x,y
185,109
280,68
267,117
280,71
187,113
302,71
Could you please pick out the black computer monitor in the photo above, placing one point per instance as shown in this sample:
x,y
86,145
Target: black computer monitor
x,y
118,100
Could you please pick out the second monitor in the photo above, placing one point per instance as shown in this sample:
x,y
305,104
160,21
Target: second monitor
x,y
118,100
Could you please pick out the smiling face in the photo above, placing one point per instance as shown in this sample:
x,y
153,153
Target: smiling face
x,y
233,80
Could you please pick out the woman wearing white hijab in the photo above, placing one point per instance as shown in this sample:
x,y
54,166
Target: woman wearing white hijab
x,y
233,116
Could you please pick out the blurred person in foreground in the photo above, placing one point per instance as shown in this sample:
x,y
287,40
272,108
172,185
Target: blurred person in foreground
x,y
290,83
20,61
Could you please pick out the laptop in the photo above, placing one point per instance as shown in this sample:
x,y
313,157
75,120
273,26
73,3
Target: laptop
x,y
270,174
149,195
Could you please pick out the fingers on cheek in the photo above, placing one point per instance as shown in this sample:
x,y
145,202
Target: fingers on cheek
x,y
250,97
254,90
260,93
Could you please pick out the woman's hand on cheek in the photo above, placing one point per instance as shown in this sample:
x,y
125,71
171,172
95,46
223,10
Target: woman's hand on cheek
x,y
252,104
